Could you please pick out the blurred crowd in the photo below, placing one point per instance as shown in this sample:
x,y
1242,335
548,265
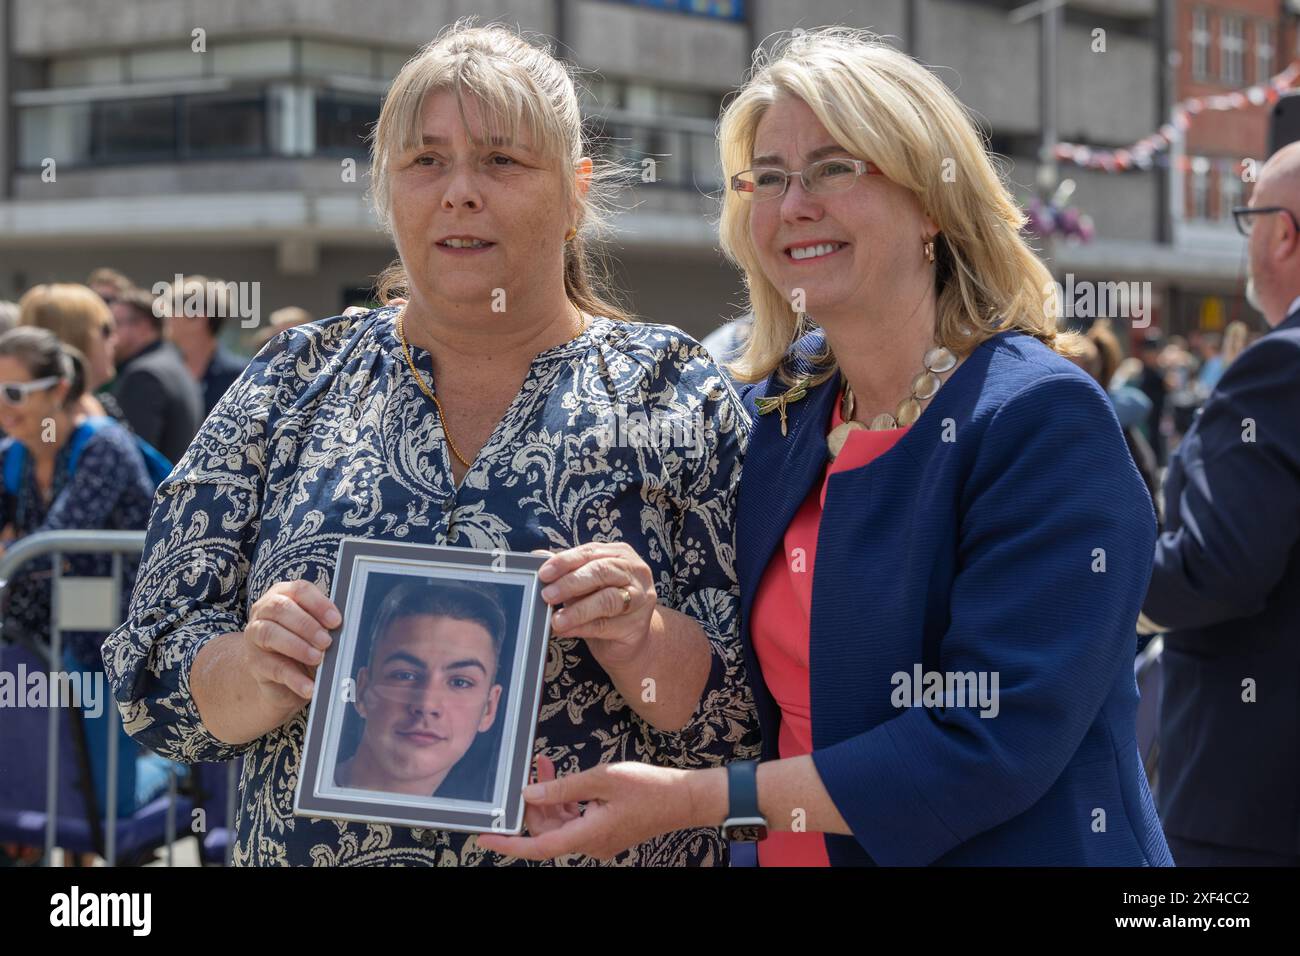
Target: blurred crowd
x,y
102,388
155,367
1158,391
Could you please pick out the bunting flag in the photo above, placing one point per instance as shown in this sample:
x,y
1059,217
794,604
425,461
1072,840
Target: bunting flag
x,y
1149,151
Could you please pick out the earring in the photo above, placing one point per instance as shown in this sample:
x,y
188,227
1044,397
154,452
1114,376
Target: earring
x,y
573,231
928,246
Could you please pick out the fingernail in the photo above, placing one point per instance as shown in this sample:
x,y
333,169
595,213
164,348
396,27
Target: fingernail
x,y
313,655
546,572
548,593
323,639
560,619
534,791
332,618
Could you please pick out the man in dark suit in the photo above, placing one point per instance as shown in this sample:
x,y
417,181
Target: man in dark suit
x,y
158,395
1226,582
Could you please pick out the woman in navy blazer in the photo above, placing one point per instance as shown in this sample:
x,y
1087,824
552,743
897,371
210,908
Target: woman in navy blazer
x,y
1003,541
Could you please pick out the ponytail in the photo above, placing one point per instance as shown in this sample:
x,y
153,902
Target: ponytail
x,y
74,365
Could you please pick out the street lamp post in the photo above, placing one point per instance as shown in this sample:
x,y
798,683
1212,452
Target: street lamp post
x,y
1049,31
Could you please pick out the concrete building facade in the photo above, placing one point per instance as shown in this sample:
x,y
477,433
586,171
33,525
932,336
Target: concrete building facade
x,y
123,144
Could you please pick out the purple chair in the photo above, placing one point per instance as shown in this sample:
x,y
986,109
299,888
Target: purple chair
x,y
213,788
79,822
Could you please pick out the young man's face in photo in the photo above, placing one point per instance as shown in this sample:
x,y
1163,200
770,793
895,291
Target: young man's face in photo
x,y
428,692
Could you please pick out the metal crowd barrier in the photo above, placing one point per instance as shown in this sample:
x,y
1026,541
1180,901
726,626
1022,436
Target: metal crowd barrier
x,y
90,604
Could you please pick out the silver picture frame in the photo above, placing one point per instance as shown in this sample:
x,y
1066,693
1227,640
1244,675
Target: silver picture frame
x,y
480,791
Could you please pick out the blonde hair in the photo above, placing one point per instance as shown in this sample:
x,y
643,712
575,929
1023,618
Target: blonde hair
x,y
519,85
75,313
1235,340
1110,352
884,106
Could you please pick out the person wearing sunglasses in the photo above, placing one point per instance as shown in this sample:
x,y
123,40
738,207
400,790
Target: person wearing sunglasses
x,y
1226,581
64,472
41,382
942,541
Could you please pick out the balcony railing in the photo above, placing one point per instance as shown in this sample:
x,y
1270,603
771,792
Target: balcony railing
x,y
660,153
161,129
656,152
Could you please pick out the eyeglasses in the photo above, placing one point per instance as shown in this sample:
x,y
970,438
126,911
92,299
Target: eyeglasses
x,y
1243,215
824,176
15,393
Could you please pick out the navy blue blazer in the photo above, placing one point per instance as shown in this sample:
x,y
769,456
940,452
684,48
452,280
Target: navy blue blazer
x,y
1227,581
1008,531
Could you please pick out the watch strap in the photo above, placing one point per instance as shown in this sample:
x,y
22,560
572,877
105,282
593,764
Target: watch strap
x,y
742,790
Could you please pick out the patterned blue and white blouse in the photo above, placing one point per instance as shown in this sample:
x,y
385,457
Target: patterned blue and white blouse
x,y
326,435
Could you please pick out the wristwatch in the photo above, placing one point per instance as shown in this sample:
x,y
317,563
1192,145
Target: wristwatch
x,y
744,821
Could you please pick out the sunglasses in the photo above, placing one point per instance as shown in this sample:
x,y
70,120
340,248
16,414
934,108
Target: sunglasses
x,y
15,393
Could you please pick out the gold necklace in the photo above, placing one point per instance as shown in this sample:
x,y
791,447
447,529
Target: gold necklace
x,y
925,386
419,380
